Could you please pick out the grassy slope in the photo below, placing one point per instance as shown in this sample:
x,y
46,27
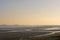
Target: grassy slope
x,y
54,36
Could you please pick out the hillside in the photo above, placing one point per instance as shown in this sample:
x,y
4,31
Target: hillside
x,y
53,36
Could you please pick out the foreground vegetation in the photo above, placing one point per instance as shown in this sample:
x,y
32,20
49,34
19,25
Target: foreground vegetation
x,y
35,36
54,36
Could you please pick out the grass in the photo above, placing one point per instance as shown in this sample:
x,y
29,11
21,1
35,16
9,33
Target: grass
x,y
55,36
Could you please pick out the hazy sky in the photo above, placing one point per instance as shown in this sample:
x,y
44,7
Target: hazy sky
x,y
30,12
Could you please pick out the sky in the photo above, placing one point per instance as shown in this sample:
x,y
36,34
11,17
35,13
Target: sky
x,y
30,12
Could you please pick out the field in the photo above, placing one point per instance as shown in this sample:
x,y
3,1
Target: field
x,y
23,36
35,36
30,36
29,33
